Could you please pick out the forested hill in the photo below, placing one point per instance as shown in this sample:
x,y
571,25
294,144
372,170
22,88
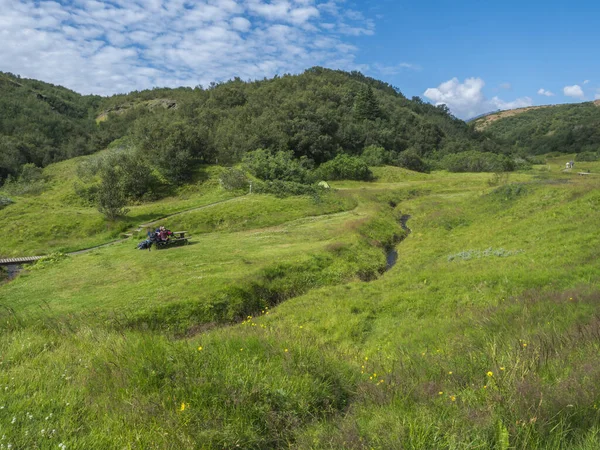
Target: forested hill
x,y
572,128
41,123
317,114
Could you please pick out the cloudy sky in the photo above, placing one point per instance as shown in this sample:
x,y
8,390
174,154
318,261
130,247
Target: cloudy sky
x,y
467,54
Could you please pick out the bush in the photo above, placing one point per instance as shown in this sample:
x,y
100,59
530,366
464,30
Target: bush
x,y
286,188
234,180
535,160
375,156
345,167
522,164
474,161
509,191
30,181
410,160
587,156
89,194
275,166
5,201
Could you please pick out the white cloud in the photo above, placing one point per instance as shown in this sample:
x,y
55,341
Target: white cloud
x,y
385,70
106,47
597,96
241,24
543,91
574,91
506,86
467,100
586,81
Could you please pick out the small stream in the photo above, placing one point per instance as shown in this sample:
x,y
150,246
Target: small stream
x,y
13,270
391,256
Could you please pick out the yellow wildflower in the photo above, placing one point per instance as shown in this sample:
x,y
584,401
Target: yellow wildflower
x,y
490,374
200,348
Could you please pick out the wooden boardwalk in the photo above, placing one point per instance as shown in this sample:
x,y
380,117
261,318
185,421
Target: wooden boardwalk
x,y
24,260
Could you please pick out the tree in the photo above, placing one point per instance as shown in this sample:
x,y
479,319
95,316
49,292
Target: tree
x,y
365,104
110,196
173,146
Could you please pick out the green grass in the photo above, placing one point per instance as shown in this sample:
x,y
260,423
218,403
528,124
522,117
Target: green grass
x,y
265,334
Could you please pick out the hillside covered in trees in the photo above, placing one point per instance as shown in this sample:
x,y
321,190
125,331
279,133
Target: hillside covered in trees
x,y
315,116
572,128
41,123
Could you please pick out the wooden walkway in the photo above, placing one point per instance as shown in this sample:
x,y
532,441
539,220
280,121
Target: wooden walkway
x,y
24,260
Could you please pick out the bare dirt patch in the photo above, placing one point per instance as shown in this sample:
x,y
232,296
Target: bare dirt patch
x,y
484,122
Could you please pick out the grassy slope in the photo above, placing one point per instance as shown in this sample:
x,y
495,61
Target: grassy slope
x,y
56,220
453,347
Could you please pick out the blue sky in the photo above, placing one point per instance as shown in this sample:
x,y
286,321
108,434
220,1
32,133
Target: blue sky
x,y
474,56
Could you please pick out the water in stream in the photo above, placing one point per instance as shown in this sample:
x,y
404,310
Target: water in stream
x,y
392,254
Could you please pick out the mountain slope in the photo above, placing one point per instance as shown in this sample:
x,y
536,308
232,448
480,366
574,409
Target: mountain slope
x,y
572,128
316,114
41,123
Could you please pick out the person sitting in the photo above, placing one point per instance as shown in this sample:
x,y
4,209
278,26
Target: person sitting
x,y
151,238
163,234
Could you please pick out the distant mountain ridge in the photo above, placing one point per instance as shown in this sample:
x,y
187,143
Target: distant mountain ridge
x,y
568,128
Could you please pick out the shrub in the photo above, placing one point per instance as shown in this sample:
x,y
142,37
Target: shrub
x,y
410,160
345,167
522,164
234,179
535,160
509,191
275,166
375,156
30,181
474,161
587,156
5,201
88,194
286,188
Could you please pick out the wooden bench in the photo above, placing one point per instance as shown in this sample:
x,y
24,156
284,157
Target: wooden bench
x,y
177,240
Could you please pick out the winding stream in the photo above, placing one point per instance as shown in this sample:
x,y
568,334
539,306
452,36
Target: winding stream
x,y
392,253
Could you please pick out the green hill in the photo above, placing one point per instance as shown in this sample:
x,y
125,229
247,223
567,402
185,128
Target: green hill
x,y
41,123
317,115
573,128
392,309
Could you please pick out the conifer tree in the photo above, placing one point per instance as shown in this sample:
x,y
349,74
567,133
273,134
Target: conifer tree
x,y
365,104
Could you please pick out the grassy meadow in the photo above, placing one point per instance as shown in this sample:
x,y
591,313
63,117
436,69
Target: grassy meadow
x,y
280,327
